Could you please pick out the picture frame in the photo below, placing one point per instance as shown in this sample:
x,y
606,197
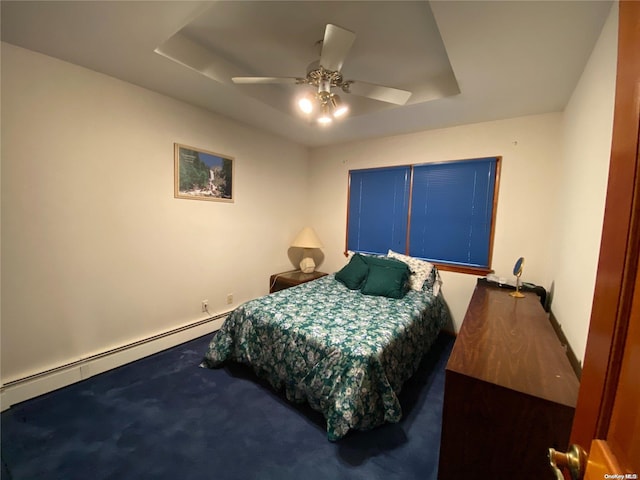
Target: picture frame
x,y
203,175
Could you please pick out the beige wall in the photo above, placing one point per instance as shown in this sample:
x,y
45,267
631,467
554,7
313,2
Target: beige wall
x,y
96,252
587,125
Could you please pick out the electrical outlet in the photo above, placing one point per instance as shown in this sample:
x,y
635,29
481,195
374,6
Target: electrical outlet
x,y
205,305
229,298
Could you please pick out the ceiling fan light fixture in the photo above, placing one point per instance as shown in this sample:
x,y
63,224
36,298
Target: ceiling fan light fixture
x,y
324,74
339,107
324,85
325,114
306,103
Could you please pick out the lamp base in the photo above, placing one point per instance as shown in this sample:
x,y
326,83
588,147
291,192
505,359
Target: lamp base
x,y
307,265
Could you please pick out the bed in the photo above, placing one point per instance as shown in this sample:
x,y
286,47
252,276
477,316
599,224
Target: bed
x,y
344,352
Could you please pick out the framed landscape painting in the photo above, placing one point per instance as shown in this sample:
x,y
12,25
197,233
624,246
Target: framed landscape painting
x,y
202,175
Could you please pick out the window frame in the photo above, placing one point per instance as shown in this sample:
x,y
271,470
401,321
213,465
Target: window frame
x,y
452,266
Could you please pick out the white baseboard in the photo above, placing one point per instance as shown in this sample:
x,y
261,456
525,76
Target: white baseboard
x,y
23,389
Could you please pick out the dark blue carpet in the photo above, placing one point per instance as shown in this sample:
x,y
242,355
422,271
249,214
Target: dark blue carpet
x,y
164,417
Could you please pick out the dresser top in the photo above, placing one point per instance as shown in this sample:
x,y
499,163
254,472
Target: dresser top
x,y
510,342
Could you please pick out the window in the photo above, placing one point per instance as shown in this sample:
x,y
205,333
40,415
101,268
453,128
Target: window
x,y
442,212
378,205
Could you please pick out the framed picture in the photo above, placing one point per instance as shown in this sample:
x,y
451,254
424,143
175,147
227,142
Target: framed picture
x,y
202,175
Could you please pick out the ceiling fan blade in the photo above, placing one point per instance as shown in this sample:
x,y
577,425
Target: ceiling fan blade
x,y
265,80
335,47
378,92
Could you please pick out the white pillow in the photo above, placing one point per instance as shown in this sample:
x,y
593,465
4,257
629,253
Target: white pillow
x,y
420,269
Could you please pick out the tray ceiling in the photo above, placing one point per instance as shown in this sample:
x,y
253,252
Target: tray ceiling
x,y
464,62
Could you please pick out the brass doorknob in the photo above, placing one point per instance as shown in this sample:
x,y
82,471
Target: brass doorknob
x,y
575,460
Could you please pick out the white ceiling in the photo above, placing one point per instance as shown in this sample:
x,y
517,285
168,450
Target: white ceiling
x,y
465,62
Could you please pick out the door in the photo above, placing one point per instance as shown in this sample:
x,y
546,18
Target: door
x,y
607,418
618,452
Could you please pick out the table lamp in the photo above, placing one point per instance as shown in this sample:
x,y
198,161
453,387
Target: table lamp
x,y
307,239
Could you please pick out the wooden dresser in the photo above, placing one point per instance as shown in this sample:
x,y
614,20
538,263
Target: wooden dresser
x,y
510,391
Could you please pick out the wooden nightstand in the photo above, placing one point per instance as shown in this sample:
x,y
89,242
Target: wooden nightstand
x,y
280,281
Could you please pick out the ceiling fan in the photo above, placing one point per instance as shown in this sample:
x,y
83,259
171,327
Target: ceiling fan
x,y
325,74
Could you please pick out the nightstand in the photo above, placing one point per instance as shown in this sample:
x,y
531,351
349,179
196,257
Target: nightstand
x,y
280,281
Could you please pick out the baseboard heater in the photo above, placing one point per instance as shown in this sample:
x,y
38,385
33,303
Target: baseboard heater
x,y
77,365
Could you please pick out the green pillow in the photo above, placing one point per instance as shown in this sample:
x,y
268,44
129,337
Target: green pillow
x,y
354,273
387,277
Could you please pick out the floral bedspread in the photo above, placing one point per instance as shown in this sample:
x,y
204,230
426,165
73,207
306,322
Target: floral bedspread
x,y
345,353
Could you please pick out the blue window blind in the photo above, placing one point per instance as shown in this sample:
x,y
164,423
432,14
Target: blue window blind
x,y
378,209
452,212
447,220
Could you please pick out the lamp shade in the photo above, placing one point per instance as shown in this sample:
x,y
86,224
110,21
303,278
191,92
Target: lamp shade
x,y
307,238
